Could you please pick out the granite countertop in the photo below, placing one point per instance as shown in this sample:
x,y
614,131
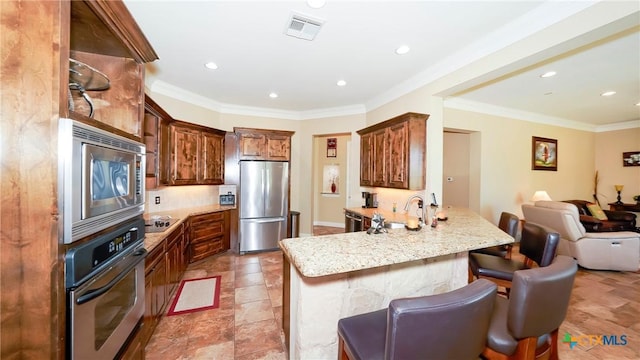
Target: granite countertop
x,y
152,240
316,256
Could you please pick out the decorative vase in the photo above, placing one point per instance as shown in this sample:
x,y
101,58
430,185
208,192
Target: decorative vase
x,y
333,187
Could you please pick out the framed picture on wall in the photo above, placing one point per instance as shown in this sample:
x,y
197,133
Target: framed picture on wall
x,y
544,154
332,147
631,158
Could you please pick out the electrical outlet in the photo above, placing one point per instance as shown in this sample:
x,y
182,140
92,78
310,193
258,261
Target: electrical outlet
x,y
157,200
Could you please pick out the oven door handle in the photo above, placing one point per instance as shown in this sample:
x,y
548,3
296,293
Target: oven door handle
x,y
92,294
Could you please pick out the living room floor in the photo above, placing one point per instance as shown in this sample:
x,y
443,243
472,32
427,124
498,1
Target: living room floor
x,y
247,324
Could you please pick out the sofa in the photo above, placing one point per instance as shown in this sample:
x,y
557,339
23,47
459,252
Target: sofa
x,y
616,220
613,250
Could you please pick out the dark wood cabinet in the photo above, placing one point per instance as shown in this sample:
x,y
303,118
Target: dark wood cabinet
x,y
209,234
262,144
156,294
212,158
196,155
392,153
38,39
156,140
175,258
366,223
366,157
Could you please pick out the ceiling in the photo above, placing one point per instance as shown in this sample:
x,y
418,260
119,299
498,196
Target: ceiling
x,y
356,43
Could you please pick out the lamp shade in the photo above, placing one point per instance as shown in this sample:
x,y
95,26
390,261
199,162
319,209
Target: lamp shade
x,y
619,187
540,195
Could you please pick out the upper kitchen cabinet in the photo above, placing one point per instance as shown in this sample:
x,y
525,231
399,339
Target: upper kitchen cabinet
x,y
156,140
104,71
392,153
261,144
196,154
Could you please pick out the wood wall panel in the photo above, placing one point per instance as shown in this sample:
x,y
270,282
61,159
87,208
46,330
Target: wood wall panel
x,y
29,269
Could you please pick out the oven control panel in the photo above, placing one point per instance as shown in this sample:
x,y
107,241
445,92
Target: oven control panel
x,y
89,258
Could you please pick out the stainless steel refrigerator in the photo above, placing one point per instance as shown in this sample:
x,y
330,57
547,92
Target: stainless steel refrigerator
x,y
263,204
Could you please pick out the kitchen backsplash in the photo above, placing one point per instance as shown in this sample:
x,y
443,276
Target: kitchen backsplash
x,y
177,197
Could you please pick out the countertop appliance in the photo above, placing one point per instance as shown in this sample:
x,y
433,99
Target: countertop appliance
x,y
352,221
101,179
104,279
370,200
263,204
227,199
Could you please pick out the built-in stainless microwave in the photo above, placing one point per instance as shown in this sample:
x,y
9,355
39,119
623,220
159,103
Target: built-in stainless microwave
x,y
101,179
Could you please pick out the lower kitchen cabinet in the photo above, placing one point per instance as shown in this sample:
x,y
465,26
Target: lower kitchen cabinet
x,y
209,234
155,290
366,223
175,258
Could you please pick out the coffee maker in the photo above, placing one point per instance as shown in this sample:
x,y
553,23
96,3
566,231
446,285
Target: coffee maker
x,y
370,200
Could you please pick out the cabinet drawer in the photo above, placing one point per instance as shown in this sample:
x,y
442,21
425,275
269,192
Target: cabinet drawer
x,y
154,257
216,216
203,233
204,249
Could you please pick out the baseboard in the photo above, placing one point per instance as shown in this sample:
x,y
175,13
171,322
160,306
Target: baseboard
x,y
327,223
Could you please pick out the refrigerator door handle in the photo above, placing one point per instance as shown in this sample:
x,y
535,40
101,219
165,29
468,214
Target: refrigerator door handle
x,y
264,220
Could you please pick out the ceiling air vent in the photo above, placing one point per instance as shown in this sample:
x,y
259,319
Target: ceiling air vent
x,y
303,26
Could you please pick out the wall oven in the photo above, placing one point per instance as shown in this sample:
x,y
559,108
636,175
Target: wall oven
x,y
101,177
104,281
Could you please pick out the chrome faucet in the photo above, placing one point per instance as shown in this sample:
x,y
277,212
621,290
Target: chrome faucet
x,y
423,219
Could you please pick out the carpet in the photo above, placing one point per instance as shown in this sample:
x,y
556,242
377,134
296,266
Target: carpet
x,y
196,295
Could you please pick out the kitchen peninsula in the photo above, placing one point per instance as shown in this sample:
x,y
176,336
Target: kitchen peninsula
x,y
330,277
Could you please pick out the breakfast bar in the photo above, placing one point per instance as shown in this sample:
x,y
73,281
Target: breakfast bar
x,y
330,277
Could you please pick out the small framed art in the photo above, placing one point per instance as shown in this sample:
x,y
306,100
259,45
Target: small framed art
x,y
332,147
544,154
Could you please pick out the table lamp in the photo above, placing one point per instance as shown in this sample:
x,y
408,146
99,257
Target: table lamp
x,y
619,189
540,195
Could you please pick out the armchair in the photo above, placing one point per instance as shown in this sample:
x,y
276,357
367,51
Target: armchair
x,y
599,251
617,220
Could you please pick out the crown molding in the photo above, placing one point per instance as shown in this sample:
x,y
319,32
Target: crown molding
x,y
178,93
632,124
483,108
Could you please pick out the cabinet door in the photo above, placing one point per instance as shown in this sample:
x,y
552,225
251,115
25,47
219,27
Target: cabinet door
x,y
366,163
212,159
151,142
397,160
379,158
184,155
252,147
278,147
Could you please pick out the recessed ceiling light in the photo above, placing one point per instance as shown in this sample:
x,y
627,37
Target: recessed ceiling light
x,y
316,4
341,83
549,93
402,50
548,74
273,95
608,93
638,104
211,65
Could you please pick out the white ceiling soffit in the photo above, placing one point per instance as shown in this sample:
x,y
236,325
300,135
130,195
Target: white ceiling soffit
x,y
303,26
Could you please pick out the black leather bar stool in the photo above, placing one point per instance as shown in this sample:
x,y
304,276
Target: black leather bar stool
x,y
525,326
451,325
538,244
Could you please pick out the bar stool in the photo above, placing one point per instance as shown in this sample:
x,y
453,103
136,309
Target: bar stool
x,y
525,326
451,325
538,244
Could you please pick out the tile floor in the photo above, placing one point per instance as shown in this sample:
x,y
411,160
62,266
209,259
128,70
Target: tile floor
x,y
247,325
